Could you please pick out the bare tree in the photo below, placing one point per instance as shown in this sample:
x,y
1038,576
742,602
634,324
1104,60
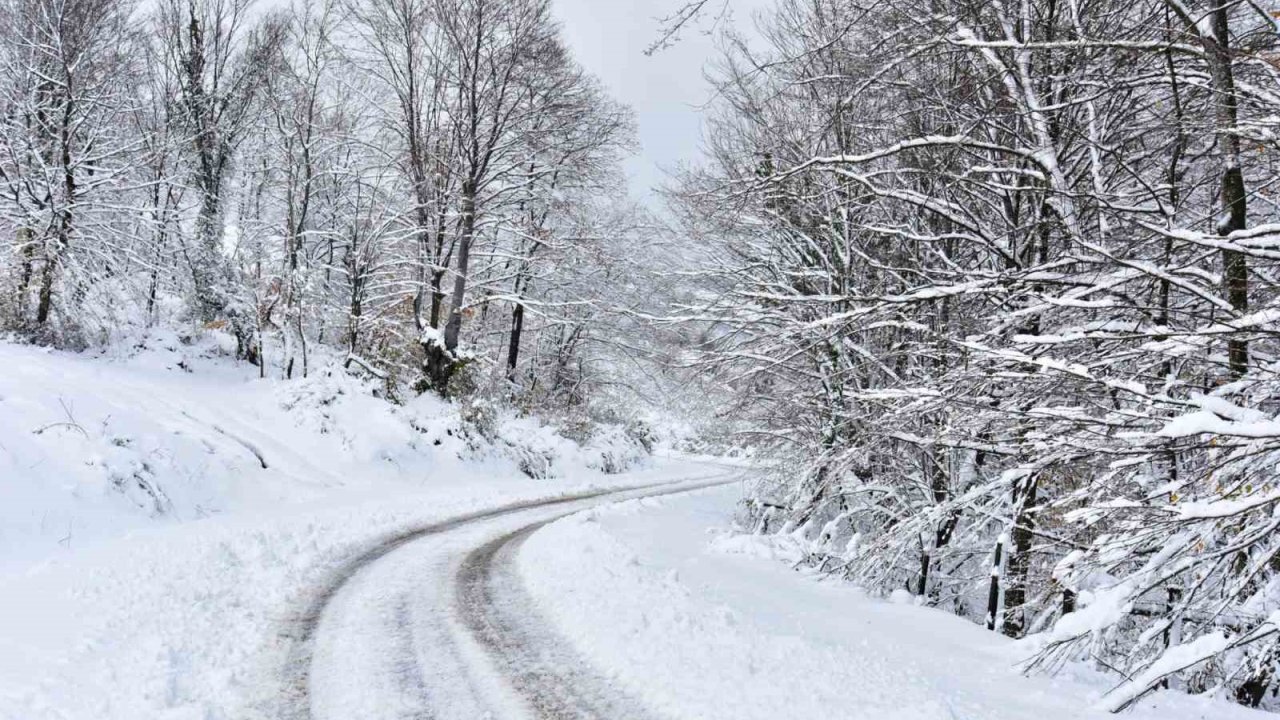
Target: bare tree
x,y
222,57
489,45
66,69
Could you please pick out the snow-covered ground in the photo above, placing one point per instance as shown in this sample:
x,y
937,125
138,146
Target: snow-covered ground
x,y
702,623
192,620
165,430
164,515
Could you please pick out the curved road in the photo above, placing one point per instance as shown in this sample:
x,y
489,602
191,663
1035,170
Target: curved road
x,y
434,624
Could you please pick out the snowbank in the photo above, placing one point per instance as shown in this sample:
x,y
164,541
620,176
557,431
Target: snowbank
x,y
167,429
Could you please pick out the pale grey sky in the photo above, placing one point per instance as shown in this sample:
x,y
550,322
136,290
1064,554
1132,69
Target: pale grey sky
x,y
609,37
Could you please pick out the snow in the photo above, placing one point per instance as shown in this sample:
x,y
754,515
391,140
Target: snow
x,y
165,515
1206,422
190,620
1176,658
431,337
702,623
167,430
1098,610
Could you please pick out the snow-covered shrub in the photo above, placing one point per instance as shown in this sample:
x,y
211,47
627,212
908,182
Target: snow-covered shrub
x,y
614,448
534,455
642,432
481,414
541,449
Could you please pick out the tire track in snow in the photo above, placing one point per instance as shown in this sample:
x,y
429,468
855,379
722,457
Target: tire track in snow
x,y
549,677
553,680
297,691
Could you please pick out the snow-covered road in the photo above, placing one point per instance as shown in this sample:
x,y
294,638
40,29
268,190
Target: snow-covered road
x,y
432,624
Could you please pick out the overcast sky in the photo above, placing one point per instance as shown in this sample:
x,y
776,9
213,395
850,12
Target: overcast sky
x,y
608,37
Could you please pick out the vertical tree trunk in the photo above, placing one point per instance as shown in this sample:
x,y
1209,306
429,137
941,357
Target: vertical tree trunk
x,y
153,289
442,361
44,304
355,311
1018,566
513,346
302,339
65,218
27,251
437,296
993,590
453,328
1174,180
942,534
1231,196
206,270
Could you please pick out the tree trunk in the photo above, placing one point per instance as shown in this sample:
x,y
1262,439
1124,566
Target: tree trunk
x,y
1231,196
942,533
437,296
53,249
1018,566
513,347
206,270
442,361
453,328
65,220
45,303
27,251
993,590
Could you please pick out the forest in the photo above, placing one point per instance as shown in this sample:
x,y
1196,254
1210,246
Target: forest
x,y
416,184
992,287
997,284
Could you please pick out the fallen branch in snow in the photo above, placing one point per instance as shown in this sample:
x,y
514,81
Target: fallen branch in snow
x,y
364,365
70,422
245,443
40,430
